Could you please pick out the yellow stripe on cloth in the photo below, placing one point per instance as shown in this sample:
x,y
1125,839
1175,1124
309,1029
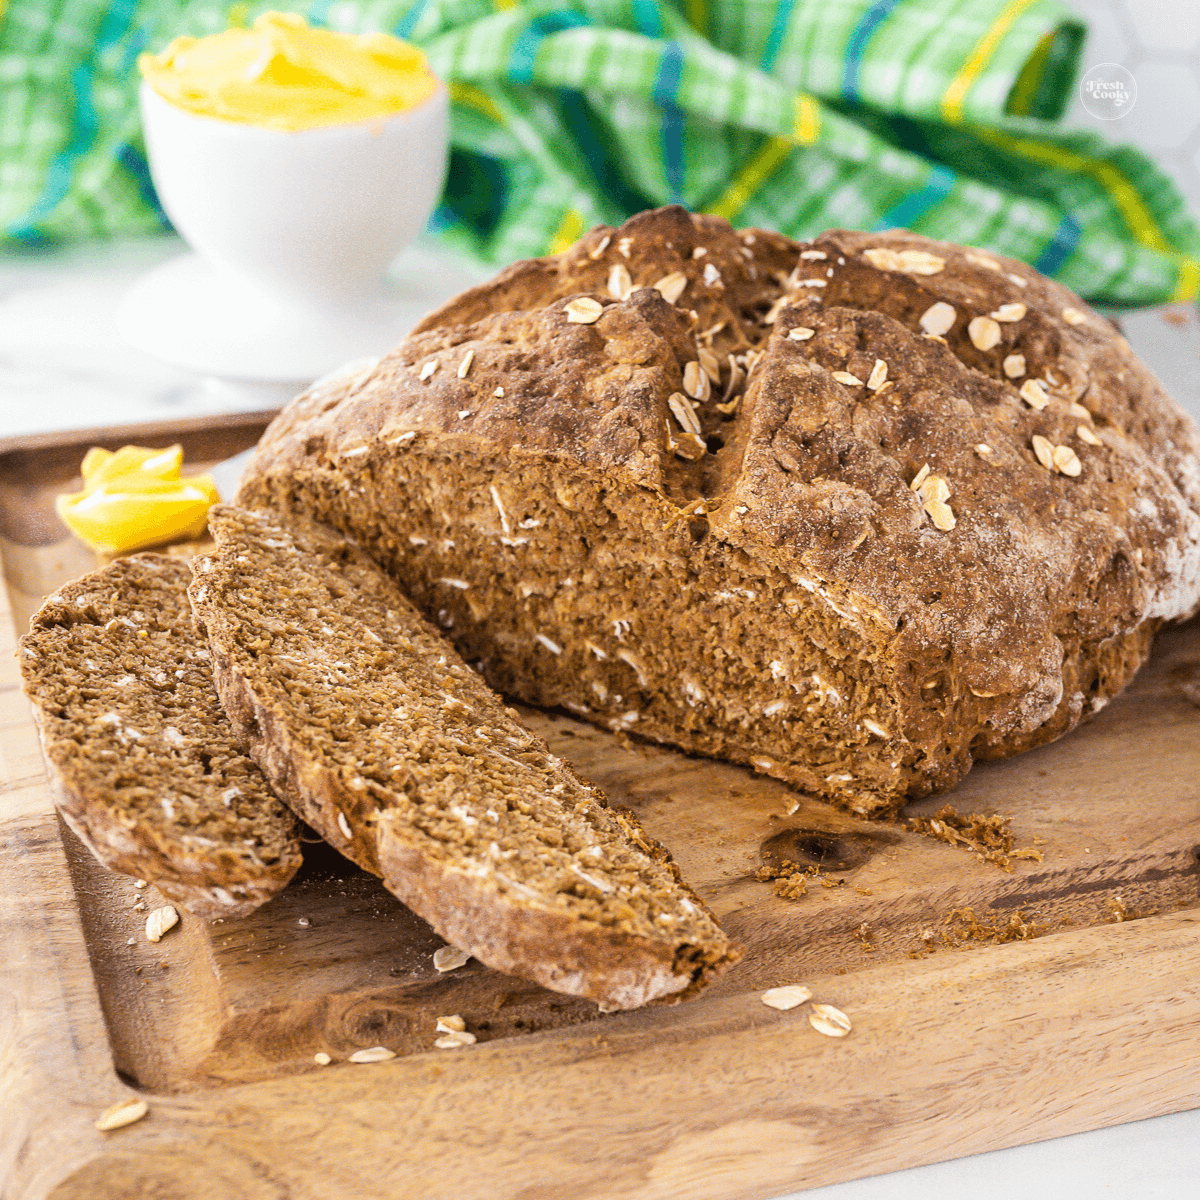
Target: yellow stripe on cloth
x,y
473,97
1187,287
808,120
751,176
1124,195
569,231
960,85
1020,99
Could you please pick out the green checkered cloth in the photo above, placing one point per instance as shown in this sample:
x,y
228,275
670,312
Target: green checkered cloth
x,y
797,115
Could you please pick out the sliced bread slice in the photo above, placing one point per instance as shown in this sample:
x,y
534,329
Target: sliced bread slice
x,y
366,721
144,766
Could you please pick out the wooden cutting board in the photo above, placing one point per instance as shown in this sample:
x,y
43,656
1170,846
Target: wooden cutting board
x,y
962,1040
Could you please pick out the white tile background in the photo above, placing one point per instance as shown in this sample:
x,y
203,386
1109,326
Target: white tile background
x,y
1158,41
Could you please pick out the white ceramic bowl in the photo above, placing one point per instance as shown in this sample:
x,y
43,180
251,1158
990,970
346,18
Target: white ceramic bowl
x,y
316,215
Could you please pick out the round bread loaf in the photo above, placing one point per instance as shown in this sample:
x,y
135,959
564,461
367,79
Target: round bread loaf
x,y
855,511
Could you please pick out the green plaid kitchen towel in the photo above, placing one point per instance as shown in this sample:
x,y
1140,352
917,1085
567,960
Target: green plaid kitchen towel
x,y
936,115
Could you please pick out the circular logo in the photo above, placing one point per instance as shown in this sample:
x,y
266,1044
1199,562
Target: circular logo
x,y
1108,91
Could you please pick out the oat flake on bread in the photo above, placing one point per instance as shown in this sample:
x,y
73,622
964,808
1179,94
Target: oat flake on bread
x,y
777,596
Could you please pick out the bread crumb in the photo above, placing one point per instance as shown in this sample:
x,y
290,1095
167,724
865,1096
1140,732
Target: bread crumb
x,y
961,924
988,836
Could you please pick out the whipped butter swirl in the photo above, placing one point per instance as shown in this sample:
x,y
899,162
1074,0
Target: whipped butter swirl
x,y
282,74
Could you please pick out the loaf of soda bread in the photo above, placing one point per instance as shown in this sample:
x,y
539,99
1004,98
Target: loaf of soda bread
x,y
855,511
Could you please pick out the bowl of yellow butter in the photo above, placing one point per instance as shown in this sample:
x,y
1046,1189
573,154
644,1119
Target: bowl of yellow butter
x,y
299,158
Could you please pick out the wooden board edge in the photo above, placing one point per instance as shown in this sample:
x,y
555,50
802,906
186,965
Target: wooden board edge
x,y
56,439
690,1111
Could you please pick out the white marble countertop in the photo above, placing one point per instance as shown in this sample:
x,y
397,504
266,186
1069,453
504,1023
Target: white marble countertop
x,y
63,366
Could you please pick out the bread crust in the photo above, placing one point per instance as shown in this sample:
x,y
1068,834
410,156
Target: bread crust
x,y
1024,608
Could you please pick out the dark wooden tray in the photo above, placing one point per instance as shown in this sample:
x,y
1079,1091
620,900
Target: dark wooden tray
x,y
960,1043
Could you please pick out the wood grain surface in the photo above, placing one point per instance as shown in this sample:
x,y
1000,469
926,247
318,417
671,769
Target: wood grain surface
x,y
959,1044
